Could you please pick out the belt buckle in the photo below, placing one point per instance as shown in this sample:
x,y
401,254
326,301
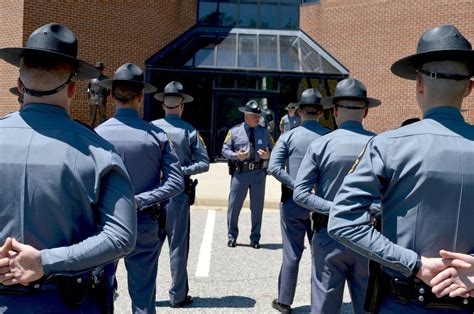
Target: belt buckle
x,y
251,166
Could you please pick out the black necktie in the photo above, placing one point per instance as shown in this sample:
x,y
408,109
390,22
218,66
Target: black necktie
x,y
252,144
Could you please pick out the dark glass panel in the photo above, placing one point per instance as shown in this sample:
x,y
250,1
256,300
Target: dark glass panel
x,y
228,13
208,12
268,16
226,51
289,16
204,57
248,15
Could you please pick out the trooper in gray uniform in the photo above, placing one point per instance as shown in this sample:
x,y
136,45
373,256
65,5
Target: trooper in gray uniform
x,y
247,147
193,156
155,172
97,96
423,173
66,201
323,169
291,120
294,220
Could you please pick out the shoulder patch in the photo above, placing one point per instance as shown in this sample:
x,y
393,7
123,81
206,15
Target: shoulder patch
x,y
271,139
357,161
201,139
227,137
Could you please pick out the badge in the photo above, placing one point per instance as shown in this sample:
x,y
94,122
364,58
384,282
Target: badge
x,y
260,142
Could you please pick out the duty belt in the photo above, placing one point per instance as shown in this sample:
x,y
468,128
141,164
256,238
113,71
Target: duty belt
x,y
245,166
319,221
405,290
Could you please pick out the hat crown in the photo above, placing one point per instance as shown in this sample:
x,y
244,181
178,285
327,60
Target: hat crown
x,y
310,96
350,88
174,87
129,72
252,107
54,37
444,37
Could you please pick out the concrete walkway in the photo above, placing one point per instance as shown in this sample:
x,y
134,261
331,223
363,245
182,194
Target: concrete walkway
x,y
213,189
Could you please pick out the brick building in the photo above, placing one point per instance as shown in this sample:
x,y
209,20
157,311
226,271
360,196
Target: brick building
x,y
363,36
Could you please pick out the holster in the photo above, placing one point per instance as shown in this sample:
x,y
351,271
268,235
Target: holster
x,y
190,188
286,193
74,290
318,221
374,293
231,166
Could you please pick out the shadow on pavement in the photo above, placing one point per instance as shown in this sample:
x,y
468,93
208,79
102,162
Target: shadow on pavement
x,y
233,301
265,246
301,309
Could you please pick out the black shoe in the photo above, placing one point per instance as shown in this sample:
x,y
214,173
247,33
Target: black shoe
x,y
255,244
187,300
282,308
231,243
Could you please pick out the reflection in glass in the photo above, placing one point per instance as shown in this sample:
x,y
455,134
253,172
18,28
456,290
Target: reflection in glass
x,y
248,15
268,52
268,14
204,57
208,12
247,51
228,13
226,51
289,17
289,53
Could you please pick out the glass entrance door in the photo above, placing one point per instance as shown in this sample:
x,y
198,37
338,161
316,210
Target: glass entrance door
x,y
227,115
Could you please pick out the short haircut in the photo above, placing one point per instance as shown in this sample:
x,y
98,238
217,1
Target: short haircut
x,y
126,90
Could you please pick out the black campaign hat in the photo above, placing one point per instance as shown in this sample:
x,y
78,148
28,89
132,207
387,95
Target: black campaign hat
x,y
251,107
174,89
292,105
351,89
128,73
52,41
310,97
441,43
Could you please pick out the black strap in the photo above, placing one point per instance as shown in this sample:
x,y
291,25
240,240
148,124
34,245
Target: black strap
x,y
37,93
438,75
352,107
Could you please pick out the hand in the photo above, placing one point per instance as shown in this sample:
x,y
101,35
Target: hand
x,y
263,154
458,279
24,265
242,154
430,267
4,254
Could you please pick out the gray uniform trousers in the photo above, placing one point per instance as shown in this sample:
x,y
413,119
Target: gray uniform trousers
x,y
332,265
177,232
295,225
240,183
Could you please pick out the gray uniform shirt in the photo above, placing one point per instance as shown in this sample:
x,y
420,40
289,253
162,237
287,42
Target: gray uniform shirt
x,y
148,155
65,191
238,138
287,123
325,165
188,143
290,149
424,175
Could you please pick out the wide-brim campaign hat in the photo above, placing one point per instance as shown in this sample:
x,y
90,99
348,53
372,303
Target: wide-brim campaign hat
x,y
442,43
311,97
14,91
52,41
174,89
128,73
251,107
292,105
351,89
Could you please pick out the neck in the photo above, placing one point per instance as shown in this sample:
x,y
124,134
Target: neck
x,y
128,105
62,102
427,107
173,112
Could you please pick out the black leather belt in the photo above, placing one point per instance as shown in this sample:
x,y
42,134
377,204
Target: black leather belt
x,y
404,290
245,166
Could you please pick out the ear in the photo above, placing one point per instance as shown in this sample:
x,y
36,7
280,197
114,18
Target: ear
x,y
366,112
20,86
420,84
470,85
335,111
71,89
140,97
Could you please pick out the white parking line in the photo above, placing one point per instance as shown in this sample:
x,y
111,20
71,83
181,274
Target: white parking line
x,y
204,261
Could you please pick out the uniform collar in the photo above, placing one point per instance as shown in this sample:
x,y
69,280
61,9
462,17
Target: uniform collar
x,y
172,117
310,122
45,108
351,125
126,112
444,113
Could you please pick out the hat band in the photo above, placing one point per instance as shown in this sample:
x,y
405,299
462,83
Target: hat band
x,y
352,107
171,107
446,76
37,93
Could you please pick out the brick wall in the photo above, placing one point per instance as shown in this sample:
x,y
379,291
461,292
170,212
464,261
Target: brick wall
x,y
114,32
367,36
11,25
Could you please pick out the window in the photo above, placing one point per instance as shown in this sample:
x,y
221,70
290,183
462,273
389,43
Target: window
x,y
247,51
226,51
208,14
268,52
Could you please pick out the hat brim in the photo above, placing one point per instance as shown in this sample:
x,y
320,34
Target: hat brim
x,y
148,88
84,70
14,91
242,109
406,67
161,96
330,101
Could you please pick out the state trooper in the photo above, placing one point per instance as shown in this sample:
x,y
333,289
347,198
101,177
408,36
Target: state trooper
x,y
97,96
193,156
295,222
422,173
290,120
14,91
67,200
156,176
322,170
247,147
